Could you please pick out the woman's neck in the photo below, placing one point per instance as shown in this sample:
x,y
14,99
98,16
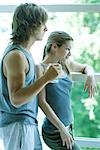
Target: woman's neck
x,y
50,59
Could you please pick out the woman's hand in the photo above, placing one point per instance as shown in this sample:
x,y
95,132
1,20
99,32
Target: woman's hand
x,y
90,85
66,138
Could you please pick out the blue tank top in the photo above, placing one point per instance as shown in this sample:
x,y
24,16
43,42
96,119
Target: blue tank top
x,y
58,97
26,113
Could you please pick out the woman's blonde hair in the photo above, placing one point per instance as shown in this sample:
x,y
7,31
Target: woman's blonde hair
x,y
58,37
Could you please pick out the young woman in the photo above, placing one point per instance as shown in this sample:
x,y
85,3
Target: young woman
x,y
19,87
57,93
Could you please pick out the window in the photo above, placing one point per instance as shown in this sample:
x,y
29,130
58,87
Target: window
x,y
84,26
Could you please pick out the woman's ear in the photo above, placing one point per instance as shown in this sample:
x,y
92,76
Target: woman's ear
x,y
54,48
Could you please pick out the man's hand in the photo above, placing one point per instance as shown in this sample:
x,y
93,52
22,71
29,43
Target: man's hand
x,y
53,71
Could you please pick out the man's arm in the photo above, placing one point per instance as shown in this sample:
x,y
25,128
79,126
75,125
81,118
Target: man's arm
x,y
15,67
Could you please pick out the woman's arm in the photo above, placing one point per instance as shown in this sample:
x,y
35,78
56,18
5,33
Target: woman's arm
x,y
65,135
90,83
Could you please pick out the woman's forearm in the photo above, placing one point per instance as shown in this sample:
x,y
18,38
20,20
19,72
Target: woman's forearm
x,y
88,70
51,115
90,83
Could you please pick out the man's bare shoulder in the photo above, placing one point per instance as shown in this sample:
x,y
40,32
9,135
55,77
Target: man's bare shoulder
x,y
14,56
15,60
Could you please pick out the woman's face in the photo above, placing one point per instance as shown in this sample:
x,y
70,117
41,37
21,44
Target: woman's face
x,y
65,50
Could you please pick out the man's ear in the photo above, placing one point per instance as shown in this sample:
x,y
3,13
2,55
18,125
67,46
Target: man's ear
x,y
54,46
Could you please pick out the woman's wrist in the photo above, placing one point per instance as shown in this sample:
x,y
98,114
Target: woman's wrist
x,y
62,128
88,71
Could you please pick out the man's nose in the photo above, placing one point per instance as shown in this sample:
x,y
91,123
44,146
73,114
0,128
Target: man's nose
x,y
45,29
69,54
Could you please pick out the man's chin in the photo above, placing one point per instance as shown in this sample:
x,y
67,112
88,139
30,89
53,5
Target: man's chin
x,y
39,39
67,56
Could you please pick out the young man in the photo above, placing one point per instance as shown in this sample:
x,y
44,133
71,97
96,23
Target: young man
x,y
18,96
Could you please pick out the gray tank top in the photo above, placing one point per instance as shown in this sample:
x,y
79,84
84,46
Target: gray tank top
x,y
26,113
58,97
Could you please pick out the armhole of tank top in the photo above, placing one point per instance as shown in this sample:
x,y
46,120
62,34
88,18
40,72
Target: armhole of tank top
x,y
67,70
17,48
21,50
26,60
